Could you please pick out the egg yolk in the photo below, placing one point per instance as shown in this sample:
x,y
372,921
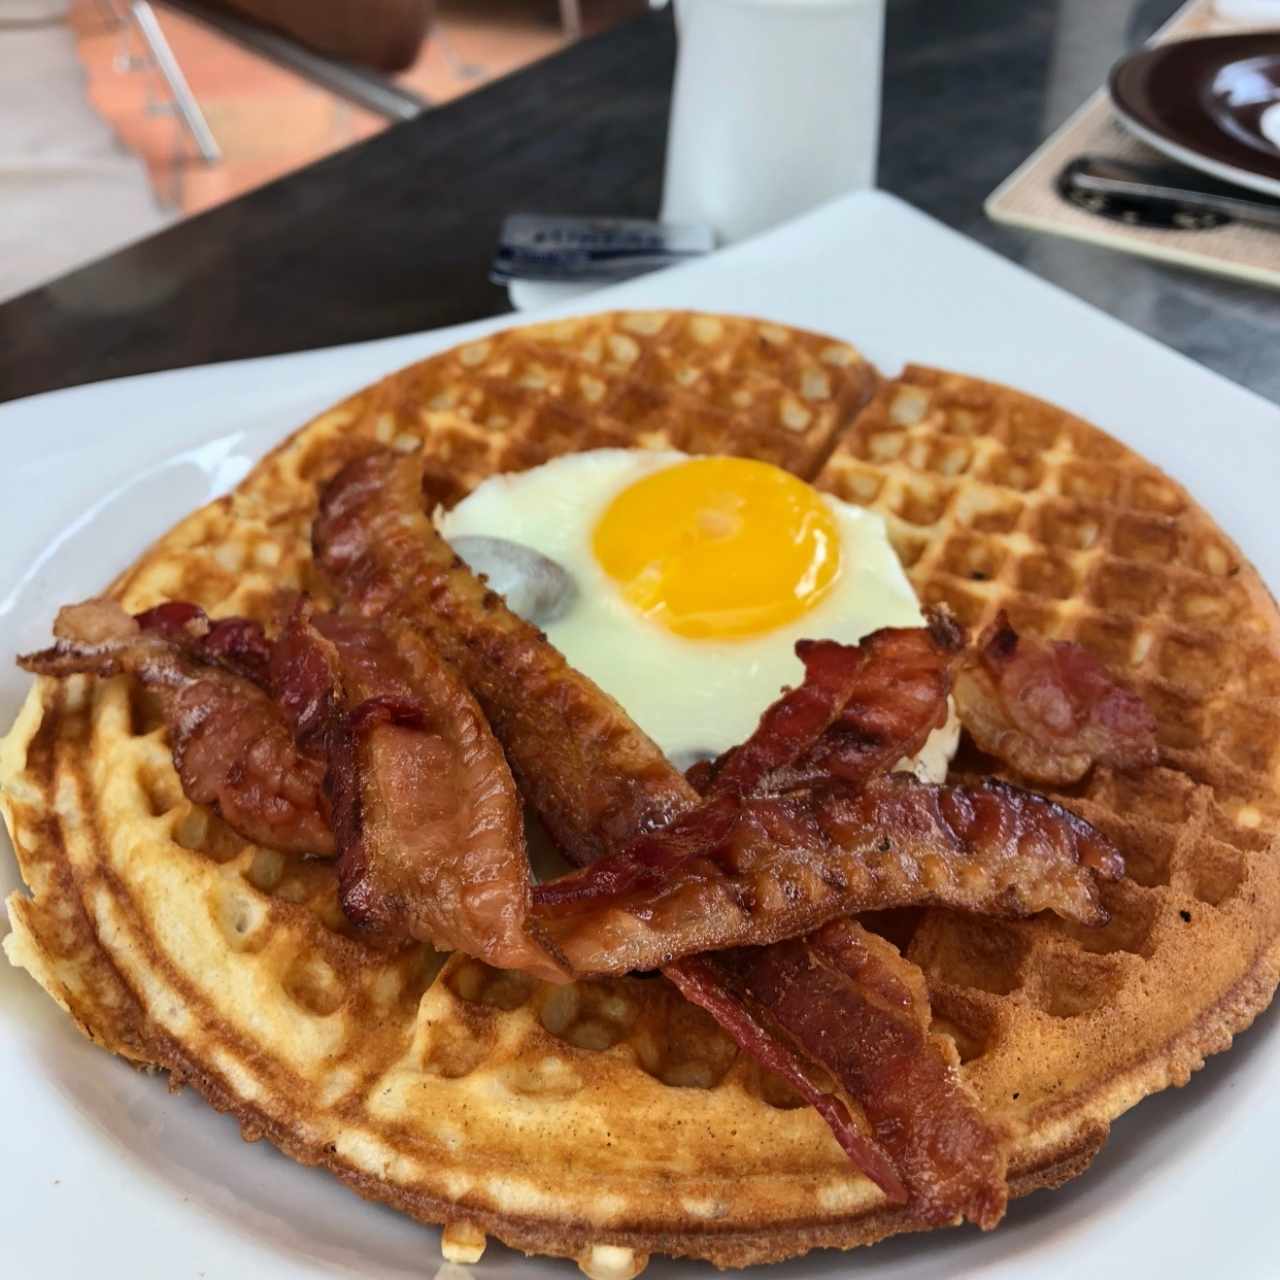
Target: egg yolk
x,y
715,548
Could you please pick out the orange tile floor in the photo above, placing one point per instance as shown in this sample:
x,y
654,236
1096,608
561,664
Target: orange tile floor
x,y
269,121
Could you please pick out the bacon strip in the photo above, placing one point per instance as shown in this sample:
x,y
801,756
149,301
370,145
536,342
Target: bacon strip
x,y
860,710
794,722
707,981
231,747
1050,710
753,870
427,821
842,976
238,644
594,777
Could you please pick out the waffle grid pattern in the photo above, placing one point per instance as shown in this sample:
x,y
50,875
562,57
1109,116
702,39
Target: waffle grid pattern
x,y
661,380
995,500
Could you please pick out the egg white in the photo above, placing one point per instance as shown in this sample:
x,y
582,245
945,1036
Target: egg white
x,y
694,697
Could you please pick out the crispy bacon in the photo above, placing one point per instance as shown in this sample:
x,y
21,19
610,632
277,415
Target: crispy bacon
x,y
239,644
595,778
303,676
708,981
231,747
793,723
1050,710
428,825
860,710
752,870
950,1158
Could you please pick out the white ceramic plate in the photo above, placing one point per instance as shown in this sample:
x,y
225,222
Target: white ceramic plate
x,y
104,1173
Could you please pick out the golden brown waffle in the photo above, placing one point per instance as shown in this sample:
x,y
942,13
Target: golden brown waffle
x,y
997,500
608,1120
662,380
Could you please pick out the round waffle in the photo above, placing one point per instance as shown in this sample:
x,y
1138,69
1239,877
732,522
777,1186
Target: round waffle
x,y
608,1120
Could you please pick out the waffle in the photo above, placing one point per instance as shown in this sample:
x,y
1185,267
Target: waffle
x,y
608,1120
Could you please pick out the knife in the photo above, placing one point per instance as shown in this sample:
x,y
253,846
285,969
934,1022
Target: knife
x,y
1161,195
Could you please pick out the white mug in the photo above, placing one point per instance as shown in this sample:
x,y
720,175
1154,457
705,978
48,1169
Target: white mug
x,y
776,109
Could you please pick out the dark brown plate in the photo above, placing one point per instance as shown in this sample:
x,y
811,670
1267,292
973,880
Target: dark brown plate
x,y
1202,101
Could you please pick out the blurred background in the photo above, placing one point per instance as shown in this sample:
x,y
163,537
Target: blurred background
x,y
117,118
324,172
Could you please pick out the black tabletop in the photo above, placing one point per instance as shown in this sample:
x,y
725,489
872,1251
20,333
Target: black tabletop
x,y
395,234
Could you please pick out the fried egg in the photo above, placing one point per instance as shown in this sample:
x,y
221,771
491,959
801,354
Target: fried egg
x,y
680,585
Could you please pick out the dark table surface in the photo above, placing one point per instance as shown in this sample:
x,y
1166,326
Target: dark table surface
x,y
395,235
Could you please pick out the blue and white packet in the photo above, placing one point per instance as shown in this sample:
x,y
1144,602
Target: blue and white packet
x,y
563,249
